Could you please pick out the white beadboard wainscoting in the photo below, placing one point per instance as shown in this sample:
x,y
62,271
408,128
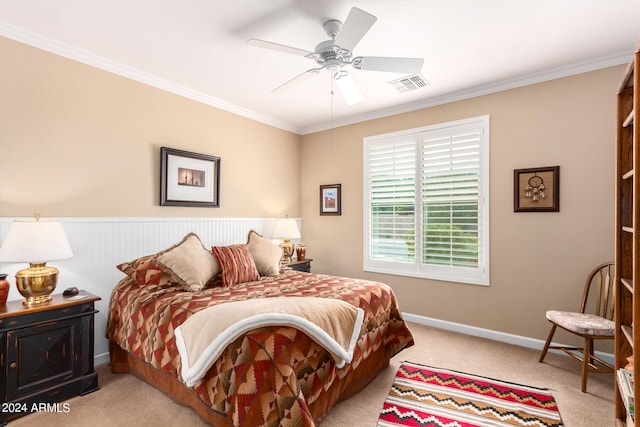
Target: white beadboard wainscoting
x,y
99,244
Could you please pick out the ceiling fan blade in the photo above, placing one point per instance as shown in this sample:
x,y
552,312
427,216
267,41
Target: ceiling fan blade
x,y
278,47
390,64
348,88
302,77
356,25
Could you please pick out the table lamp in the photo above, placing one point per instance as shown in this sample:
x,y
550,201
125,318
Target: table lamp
x,y
286,229
36,242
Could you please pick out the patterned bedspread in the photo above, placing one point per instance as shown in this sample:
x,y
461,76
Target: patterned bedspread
x,y
270,375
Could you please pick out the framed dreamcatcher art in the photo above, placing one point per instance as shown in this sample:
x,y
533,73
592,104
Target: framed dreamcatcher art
x,y
536,189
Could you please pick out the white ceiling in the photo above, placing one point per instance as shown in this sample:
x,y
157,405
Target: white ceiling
x,y
198,48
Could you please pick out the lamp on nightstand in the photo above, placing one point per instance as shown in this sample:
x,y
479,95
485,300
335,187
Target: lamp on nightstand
x,y
35,242
286,229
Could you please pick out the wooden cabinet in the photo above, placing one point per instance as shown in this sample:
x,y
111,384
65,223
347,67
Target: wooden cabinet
x,y
304,265
627,241
47,354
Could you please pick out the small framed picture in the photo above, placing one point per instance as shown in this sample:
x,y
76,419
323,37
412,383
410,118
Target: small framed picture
x,y
189,179
536,189
330,199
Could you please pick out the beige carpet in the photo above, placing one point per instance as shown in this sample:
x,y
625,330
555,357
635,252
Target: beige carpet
x,y
125,401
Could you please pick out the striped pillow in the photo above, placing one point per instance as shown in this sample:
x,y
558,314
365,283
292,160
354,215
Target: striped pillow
x,y
236,263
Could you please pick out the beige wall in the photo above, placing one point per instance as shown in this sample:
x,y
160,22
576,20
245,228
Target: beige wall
x,y
81,142
538,260
77,141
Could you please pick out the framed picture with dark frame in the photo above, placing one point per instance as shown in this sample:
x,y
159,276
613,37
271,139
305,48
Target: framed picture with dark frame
x,y
189,179
331,199
536,189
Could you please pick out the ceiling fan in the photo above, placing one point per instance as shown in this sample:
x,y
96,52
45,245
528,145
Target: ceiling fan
x,y
337,52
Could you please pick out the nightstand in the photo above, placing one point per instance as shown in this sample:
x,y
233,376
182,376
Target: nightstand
x,y
47,354
304,265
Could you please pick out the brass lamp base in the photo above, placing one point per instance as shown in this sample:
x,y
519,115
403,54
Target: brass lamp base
x,y
287,251
36,283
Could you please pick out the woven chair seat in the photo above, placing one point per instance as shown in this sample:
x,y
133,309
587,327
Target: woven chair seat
x,y
582,323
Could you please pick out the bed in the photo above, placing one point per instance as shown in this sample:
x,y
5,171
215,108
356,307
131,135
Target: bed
x,y
271,374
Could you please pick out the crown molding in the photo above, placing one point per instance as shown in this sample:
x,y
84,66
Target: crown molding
x,y
88,58
82,56
473,92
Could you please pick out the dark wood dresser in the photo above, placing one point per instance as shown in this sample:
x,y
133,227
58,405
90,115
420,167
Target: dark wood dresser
x,y
47,354
304,265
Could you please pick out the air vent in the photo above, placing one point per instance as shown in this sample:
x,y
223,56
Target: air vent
x,y
409,83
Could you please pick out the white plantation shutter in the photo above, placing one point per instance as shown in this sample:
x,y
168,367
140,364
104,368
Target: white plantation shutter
x,y
450,179
438,175
392,181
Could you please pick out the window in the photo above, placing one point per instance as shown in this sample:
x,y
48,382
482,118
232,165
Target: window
x,y
426,202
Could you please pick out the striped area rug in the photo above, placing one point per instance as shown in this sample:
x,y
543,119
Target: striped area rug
x,y
426,396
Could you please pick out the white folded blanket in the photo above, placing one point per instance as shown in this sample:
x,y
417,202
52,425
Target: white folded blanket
x,y
332,323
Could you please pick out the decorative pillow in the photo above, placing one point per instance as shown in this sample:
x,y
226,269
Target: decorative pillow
x,y
236,263
143,270
188,263
265,254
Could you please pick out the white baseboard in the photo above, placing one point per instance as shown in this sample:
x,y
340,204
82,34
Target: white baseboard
x,y
101,358
490,334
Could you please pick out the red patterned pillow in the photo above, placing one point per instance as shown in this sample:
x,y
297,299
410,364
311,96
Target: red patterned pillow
x,y
236,263
143,270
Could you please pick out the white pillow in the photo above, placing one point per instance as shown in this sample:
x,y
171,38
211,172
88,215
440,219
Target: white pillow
x,y
189,263
266,254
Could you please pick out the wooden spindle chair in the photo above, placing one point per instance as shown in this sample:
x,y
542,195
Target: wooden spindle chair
x,y
594,321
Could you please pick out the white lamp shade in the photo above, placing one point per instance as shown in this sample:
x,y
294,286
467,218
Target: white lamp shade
x,y
35,241
286,229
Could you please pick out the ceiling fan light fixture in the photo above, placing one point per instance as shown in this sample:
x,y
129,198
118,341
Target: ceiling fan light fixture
x,y
335,67
348,88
